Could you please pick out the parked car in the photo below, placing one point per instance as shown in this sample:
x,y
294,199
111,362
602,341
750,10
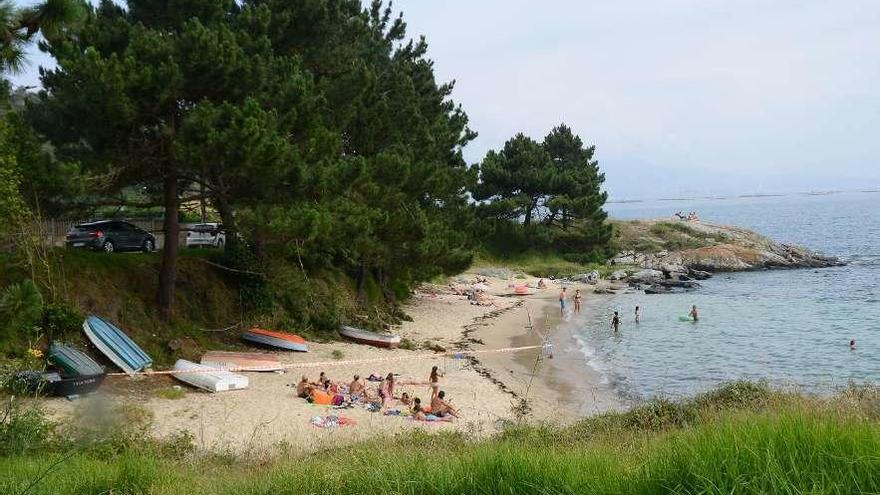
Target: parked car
x,y
206,234
110,236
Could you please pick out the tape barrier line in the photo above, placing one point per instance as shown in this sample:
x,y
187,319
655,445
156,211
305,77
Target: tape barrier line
x,y
350,362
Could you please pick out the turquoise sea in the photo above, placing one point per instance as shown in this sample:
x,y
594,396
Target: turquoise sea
x,y
791,327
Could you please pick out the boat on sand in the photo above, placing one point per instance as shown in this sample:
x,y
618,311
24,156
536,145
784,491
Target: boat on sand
x,y
370,338
242,361
116,345
208,378
72,362
274,338
52,383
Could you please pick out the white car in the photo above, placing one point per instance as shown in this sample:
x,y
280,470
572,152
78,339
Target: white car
x,y
206,235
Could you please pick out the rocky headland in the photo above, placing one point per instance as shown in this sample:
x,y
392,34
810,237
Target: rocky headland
x,y
662,256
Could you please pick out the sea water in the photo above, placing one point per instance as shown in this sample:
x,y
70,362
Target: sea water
x,y
790,327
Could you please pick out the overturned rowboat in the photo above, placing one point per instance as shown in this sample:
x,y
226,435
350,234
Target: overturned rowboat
x,y
208,378
274,338
116,345
370,338
242,361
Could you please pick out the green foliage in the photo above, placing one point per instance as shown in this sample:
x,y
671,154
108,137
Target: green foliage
x,y
337,354
61,320
21,309
553,188
800,445
23,428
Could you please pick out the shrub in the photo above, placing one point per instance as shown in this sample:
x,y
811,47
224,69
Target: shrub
x,y
61,319
23,429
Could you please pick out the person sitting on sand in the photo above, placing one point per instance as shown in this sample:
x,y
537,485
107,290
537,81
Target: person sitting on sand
x,y
694,314
386,390
405,399
419,414
441,408
542,284
356,388
304,388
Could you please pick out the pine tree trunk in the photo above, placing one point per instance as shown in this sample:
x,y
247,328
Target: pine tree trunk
x,y
226,216
168,271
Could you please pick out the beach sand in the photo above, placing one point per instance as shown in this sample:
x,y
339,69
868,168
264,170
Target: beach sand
x,y
486,391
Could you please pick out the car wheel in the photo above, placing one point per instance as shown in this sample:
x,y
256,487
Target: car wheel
x,y
149,246
109,247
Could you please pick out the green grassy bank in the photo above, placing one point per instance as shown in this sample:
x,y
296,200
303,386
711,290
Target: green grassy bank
x,y
742,438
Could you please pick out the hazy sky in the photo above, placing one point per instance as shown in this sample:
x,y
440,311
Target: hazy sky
x,y
679,96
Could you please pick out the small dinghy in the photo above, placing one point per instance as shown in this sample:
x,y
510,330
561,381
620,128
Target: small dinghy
x,y
71,362
370,338
242,361
52,383
208,378
118,347
281,340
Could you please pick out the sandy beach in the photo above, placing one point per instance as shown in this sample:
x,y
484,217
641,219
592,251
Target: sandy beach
x,y
487,390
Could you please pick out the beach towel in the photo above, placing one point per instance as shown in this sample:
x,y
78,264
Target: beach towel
x,y
332,421
322,398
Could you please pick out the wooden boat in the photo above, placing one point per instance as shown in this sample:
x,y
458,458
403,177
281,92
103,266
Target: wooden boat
x,y
118,347
71,362
52,383
251,361
370,338
208,378
282,340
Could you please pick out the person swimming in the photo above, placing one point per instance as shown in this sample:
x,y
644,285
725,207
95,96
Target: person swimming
x,y
615,321
694,314
852,345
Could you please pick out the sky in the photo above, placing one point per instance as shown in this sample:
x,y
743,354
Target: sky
x,y
680,97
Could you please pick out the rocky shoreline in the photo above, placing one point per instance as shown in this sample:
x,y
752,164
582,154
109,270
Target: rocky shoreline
x,y
708,248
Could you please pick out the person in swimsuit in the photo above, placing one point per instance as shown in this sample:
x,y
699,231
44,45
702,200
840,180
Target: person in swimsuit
x,y
615,322
441,408
356,388
562,302
694,313
577,301
304,388
435,382
386,390
638,315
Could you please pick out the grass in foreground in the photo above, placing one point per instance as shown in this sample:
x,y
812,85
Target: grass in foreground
x,y
739,439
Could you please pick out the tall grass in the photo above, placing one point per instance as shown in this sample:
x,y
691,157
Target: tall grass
x,y
742,438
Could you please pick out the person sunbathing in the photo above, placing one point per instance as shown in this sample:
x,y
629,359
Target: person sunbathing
x,y
419,414
405,399
304,388
356,388
441,408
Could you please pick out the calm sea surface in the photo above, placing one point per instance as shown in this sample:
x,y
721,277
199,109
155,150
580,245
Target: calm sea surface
x,y
791,327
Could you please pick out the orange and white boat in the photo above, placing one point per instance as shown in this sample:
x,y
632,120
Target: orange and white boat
x,y
274,338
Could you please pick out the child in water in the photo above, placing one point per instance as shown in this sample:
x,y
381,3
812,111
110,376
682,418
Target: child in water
x,y
615,322
637,314
694,313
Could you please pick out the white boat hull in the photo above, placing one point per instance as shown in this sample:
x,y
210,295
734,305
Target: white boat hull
x,y
207,378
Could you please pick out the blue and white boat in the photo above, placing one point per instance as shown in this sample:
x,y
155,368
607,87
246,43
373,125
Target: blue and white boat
x,y
118,347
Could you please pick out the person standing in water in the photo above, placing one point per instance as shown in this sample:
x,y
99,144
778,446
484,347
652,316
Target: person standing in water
x,y
638,315
577,301
694,313
615,322
562,302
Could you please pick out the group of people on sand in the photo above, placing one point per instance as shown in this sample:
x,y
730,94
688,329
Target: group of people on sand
x,y
690,217
475,292
384,395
